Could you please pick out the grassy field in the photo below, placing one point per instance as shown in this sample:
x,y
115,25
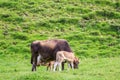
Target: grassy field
x,y
91,27
19,68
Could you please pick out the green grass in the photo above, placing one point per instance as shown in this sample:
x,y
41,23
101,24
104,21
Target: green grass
x,y
91,27
18,67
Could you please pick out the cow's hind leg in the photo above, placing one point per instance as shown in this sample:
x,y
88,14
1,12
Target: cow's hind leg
x,y
31,59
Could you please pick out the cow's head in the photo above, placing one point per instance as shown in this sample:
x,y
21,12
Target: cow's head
x,y
76,63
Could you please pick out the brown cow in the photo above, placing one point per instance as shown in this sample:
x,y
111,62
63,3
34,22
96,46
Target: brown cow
x,y
46,50
62,56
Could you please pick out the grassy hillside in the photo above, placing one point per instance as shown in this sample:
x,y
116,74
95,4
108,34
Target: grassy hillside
x,y
91,27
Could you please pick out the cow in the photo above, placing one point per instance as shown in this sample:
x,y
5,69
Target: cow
x,y
45,50
62,56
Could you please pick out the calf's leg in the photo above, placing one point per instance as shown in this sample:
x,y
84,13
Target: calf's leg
x,y
48,67
59,66
72,66
62,65
55,66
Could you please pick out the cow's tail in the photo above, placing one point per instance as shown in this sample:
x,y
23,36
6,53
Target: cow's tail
x,y
31,59
32,53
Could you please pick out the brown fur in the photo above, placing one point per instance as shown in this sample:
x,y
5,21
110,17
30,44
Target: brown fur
x,y
47,49
49,65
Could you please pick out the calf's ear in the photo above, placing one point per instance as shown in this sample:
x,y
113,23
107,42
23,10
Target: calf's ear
x,y
76,58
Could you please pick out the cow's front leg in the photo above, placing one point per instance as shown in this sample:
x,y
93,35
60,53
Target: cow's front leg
x,y
33,67
34,64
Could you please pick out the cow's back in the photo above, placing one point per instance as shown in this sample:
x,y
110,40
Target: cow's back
x,y
61,45
49,48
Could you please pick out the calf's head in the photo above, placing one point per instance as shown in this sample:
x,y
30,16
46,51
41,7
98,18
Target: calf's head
x,y
76,63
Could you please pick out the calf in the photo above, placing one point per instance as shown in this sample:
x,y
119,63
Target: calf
x,y
49,65
64,56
